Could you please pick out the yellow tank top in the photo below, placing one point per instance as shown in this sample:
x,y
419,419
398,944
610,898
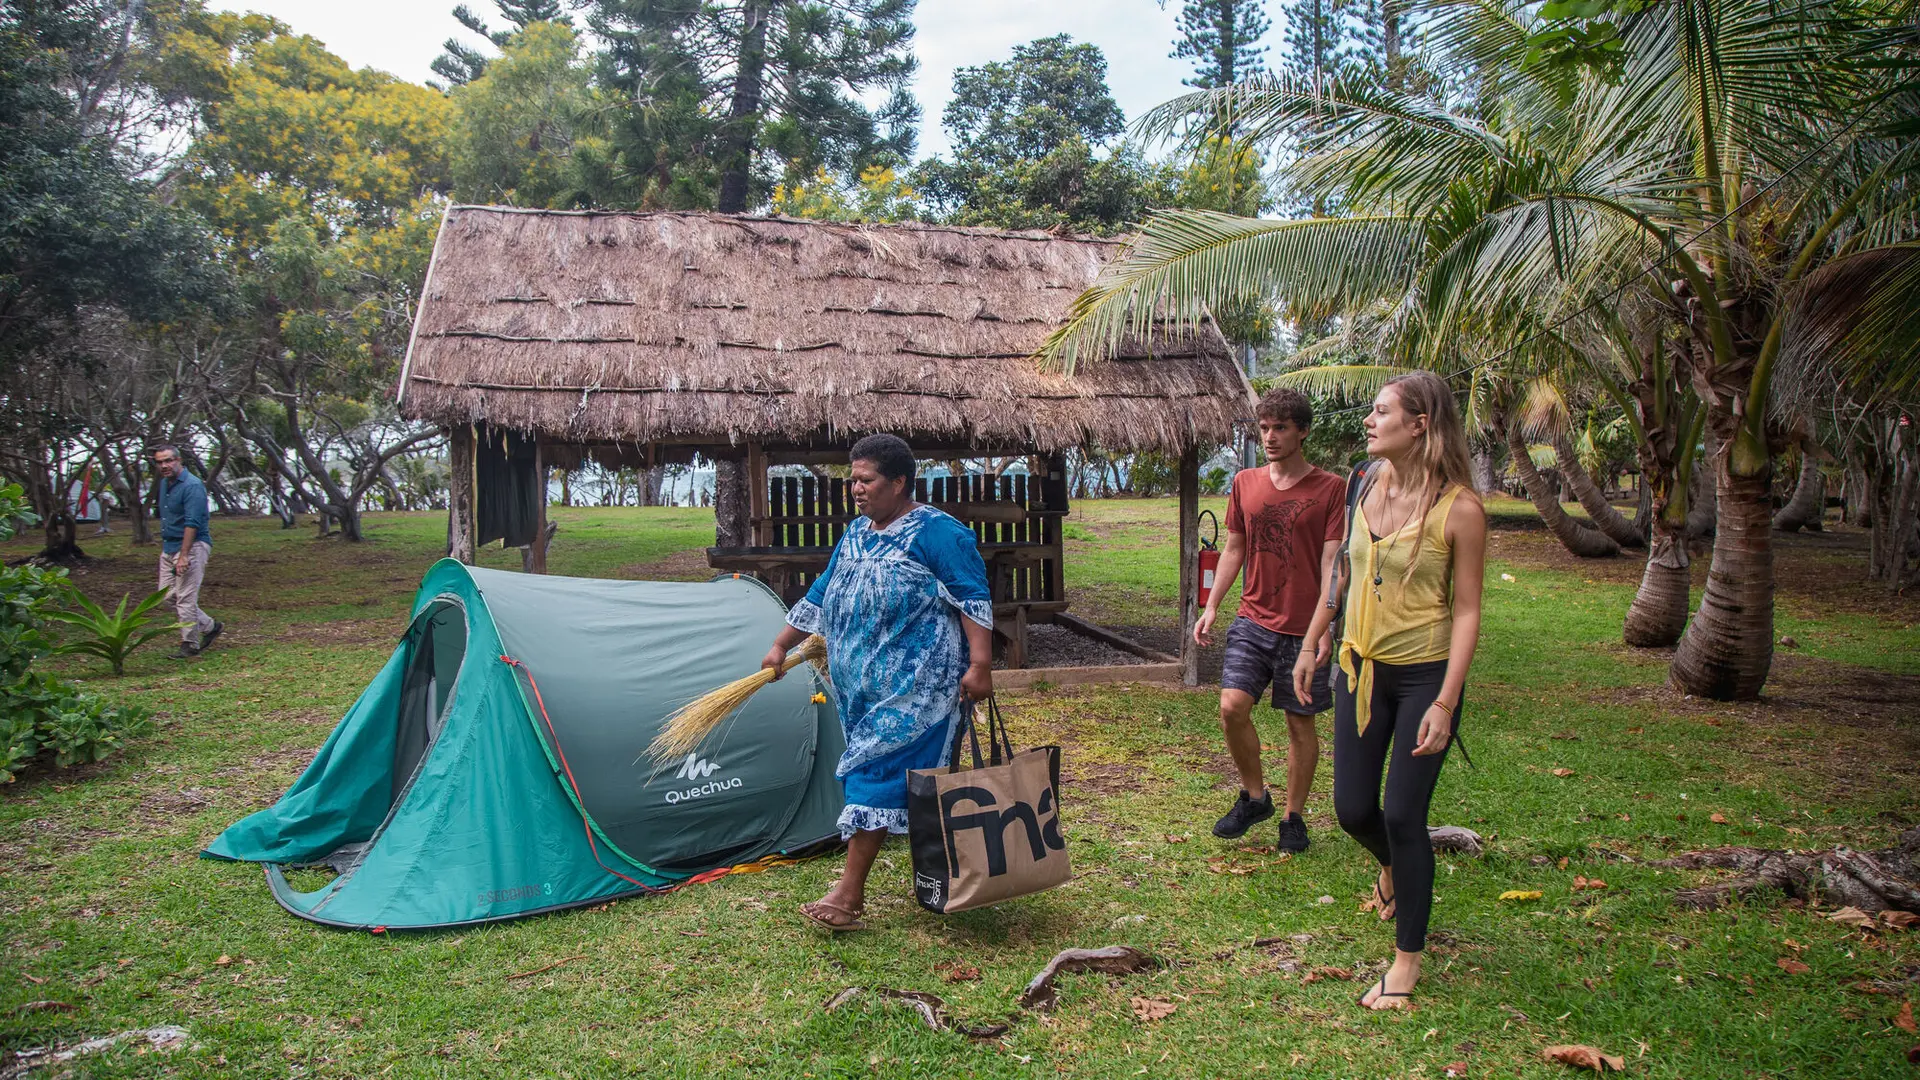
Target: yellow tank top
x,y
1404,619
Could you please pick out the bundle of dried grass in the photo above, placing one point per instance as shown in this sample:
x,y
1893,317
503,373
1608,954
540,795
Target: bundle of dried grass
x,y
687,728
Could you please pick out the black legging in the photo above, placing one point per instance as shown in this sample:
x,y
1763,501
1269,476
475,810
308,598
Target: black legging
x,y
1397,835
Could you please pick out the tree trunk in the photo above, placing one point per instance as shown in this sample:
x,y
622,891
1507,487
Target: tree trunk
x,y
1658,615
731,509
1728,647
1703,499
1486,465
1592,500
1576,536
1643,514
743,112
1809,502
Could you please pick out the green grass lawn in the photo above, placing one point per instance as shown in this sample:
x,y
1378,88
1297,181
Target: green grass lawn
x,y
1586,766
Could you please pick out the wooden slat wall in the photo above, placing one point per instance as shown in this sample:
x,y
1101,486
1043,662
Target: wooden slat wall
x,y
808,512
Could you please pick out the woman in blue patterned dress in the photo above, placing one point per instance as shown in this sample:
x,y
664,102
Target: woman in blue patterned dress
x,y
908,619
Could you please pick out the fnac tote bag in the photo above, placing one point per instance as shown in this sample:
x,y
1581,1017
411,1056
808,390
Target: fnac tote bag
x,y
988,833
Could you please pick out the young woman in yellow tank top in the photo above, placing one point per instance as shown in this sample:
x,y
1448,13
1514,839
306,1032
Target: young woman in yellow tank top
x,y
1416,558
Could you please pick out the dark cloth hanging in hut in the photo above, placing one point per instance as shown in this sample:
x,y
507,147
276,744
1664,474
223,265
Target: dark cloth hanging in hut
x,y
507,491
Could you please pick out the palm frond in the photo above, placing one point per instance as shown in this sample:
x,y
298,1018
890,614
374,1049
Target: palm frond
x,y
1185,262
1340,382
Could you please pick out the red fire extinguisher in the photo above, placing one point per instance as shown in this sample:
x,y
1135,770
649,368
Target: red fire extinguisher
x,y
1209,561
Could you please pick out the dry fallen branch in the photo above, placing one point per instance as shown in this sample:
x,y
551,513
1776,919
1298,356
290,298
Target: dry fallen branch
x,y
1457,839
1112,960
547,967
932,1010
1872,881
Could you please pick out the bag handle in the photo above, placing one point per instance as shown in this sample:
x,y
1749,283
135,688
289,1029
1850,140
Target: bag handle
x,y
999,746
997,737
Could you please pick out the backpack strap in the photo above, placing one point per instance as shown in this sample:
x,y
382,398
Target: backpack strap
x,y
1359,482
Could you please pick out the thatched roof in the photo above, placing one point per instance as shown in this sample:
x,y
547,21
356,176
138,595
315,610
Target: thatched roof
x,y
691,328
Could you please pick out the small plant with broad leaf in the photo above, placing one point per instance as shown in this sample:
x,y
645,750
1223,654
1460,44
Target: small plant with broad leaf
x,y
113,635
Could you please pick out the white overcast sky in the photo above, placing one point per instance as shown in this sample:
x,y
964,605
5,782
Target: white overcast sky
x,y
403,37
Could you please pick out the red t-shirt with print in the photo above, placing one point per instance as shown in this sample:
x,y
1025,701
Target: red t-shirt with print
x,y
1285,531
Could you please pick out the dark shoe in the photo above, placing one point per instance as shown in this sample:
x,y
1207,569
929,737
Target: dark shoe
x,y
1293,834
206,639
1245,815
184,652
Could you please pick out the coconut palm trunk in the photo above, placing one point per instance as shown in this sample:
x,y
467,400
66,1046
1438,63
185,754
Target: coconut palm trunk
x,y
1658,615
1576,536
1605,518
1728,647
1809,501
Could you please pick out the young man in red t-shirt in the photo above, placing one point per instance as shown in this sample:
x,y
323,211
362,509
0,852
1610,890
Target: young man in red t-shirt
x,y
1284,522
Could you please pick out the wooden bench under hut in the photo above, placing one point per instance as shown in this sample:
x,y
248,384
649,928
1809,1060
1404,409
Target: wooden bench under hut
x,y
548,338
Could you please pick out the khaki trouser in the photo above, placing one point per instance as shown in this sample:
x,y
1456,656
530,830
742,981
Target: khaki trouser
x,y
186,591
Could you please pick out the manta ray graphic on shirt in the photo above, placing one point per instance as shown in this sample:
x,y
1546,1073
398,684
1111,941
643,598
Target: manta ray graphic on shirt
x,y
1272,528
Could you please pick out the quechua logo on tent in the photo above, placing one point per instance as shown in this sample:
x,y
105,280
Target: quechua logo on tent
x,y
699,768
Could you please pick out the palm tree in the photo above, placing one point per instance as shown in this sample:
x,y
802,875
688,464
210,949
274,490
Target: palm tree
x,y
1741,147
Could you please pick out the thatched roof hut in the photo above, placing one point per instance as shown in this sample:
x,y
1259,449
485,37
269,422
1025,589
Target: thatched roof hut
x,y
686,328
546,337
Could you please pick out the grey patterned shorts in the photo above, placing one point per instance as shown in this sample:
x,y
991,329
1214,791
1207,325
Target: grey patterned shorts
x,y
1257,656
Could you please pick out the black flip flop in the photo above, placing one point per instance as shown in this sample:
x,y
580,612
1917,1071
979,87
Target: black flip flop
x,y
1381,899
1383,992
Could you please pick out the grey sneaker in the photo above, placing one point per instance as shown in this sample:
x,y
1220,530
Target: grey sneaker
x,y
1293,834
1245,815
206,639
184,652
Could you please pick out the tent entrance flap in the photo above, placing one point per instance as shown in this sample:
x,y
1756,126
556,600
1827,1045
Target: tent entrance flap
x,y
437,647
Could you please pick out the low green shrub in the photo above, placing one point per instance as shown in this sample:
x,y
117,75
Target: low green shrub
x,y
113,635
42,714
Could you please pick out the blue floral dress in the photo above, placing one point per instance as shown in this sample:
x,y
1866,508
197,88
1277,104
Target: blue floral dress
x,y
890,605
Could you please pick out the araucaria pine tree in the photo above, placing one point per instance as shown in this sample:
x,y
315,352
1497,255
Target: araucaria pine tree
x,y
1222,37
461,63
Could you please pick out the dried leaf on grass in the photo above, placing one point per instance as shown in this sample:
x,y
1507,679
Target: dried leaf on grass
x,y
61,1006
1587,883
1520,894
1112,960
1585,1057
1717,818
1319,973
1904,1021
1148,1009
1454,1070
957,972
1852,916
1563,772
1791,966
1899,920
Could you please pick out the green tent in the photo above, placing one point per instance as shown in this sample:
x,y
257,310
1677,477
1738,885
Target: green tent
x,y
494,767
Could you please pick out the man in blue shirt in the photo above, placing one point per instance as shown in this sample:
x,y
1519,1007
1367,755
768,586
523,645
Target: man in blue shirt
x,y
186,542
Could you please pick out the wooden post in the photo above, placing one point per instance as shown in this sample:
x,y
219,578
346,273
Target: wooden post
x,y
1189,563
757,506
462,518
1054,489
537,561
730,502
1017,647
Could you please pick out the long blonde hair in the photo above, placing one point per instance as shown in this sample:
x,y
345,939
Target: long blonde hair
x,y
1440,452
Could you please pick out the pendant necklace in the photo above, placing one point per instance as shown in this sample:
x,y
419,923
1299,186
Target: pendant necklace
x,y
1393,540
